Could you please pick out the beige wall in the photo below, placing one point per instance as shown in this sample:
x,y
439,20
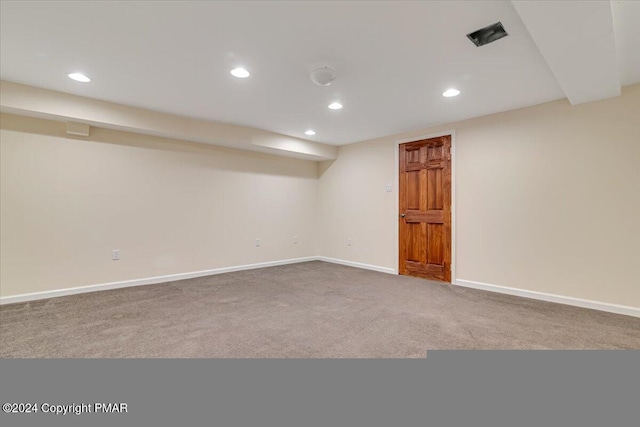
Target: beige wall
x,y
169,206
547,199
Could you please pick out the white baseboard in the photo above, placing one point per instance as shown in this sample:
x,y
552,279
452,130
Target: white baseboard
x,y
596,305
147,281
358,265
560,299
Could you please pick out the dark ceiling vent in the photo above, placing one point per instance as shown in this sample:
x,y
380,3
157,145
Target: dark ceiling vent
x,y
487,34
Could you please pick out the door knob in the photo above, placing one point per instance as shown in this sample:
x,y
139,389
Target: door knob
x,y
402,215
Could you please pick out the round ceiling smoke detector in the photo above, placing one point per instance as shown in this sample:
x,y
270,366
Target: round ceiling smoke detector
x,y
323,76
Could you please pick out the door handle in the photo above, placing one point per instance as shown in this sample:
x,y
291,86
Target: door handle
x,y
402,215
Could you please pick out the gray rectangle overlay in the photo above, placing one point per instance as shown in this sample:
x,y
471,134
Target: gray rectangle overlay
x,y
450,388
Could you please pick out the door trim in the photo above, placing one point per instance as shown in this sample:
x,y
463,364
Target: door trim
x,y
451,133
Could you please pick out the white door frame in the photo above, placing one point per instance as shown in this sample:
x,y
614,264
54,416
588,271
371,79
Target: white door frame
x,y
452,133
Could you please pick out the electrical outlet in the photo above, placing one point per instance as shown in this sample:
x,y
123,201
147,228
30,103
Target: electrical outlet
x,y
349,241
115,254
295,240
257,243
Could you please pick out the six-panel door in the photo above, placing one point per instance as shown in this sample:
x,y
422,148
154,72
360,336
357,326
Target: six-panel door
x,y
425,208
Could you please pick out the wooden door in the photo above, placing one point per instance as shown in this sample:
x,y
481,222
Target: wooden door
x,y
425,208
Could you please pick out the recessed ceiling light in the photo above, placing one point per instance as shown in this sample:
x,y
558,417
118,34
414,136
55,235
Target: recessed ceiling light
x,y
450,92
240,73
310,132
79,77
335,106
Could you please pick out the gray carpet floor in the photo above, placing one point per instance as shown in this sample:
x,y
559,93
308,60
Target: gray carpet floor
x,y
312,309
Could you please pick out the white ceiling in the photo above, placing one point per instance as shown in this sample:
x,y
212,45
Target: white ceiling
x,y
394,59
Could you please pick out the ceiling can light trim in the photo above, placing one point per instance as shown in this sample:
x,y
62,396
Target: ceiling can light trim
x,y
240,73
335,106
310,132
79,77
